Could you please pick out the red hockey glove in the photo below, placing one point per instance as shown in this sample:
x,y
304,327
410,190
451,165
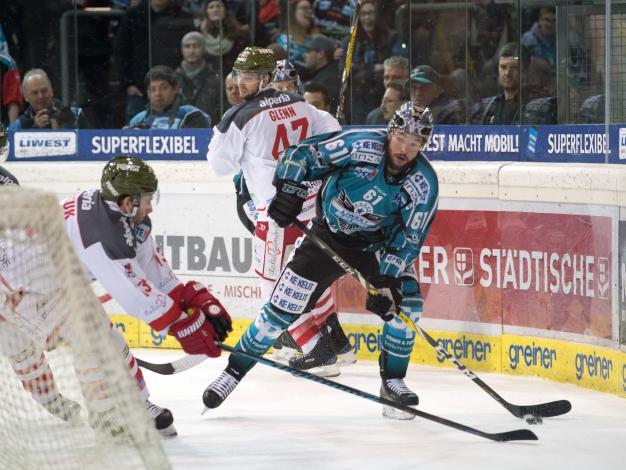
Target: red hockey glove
x,y
195,334
195,295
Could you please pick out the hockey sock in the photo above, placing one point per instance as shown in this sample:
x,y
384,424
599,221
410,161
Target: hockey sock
x,y
258,338
129,359
33,370
397,345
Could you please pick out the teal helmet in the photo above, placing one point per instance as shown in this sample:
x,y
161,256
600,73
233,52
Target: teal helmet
x,y
127,176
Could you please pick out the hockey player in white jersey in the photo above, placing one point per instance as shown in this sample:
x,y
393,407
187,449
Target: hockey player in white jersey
x,y
110,232
250,138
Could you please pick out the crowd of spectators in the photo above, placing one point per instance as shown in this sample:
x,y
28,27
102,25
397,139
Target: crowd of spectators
x,y
505,74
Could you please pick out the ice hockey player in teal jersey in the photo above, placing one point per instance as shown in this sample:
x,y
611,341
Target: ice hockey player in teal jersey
x,y
375,207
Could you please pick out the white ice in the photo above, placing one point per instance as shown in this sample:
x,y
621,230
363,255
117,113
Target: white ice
x,y
274,420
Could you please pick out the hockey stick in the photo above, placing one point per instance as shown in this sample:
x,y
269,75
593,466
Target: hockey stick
x,y
530,412
346,70
174,367
517,435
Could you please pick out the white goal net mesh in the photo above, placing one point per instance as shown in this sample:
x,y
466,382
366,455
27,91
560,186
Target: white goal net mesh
x,y
67,399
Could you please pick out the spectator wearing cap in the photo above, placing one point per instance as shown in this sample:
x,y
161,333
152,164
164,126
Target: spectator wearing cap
x,y
199,85
165,109
322,67
426,89
395,95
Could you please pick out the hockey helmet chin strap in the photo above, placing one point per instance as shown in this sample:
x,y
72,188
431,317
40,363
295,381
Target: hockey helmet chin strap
x,y
137,198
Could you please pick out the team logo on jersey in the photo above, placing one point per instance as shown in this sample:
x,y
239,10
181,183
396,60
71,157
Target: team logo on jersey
x,y
354,216
369,145
367,173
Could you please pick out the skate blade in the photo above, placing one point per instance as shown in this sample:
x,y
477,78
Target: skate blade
x,y
283,354
394,413
346,359
168,432
331,370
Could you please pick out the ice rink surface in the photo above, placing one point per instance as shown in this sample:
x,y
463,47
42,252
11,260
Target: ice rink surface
x,y
277,421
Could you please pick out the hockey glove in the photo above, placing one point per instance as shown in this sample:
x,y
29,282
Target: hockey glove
x,y
287,203
387,298
195,295
195,334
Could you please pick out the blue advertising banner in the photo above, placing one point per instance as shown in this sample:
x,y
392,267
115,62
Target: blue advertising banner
x,y
84,145
571,143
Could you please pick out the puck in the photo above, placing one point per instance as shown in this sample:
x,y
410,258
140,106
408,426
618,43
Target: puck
x,y
530,419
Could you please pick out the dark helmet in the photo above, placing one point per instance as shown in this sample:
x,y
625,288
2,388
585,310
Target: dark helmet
x,y
412,119
255,59
7,179
127,176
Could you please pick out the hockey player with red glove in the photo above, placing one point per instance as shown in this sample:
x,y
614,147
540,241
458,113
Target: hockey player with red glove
x,y
110,231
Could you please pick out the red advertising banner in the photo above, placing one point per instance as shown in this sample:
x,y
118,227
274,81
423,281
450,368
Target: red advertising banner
x,y
536,270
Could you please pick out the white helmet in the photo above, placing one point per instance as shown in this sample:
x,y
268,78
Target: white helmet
x,y
412,119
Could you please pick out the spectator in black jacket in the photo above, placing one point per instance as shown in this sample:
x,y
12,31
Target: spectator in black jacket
x,y
506,107
320,63
199,85
147,36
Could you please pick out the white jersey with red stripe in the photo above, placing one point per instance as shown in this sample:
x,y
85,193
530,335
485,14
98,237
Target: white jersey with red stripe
x,y
253,134
123,258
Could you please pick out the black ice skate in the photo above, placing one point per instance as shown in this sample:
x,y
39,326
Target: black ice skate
x,y
340,343
163,419
396,390
285,347
321,360
65,409
219,389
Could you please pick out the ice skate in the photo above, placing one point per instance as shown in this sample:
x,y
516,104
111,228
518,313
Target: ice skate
x,y
65,409
340,343
163,419
106,424
219,389
396,390
285,347
321,360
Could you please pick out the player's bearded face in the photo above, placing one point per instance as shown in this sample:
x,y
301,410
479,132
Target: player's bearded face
x,y
248,83
401,151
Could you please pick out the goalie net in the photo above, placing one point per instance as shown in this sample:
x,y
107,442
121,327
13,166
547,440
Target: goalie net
x,y
83,411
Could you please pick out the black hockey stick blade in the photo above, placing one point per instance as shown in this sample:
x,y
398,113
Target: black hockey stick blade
x,y
517,435
544,410
174,367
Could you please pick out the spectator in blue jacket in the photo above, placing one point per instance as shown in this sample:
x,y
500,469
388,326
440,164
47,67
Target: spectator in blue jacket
x,y
165,109
44,111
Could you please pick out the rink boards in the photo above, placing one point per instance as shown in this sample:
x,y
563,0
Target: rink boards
x,y
522,272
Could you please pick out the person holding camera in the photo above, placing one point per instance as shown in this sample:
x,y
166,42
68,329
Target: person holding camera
x,y
44,111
